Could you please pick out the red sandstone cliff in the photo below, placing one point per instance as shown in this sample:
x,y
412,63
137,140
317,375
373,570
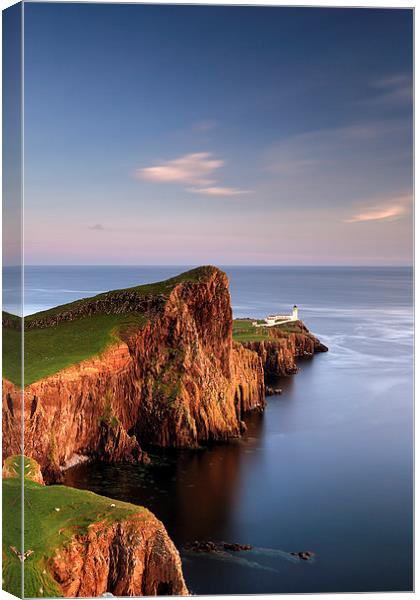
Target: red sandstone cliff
x,y
280,351
177,381
134,557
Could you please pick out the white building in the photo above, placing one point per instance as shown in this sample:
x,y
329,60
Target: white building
x,y
272,320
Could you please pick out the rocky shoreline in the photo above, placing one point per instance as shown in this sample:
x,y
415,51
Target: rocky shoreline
x,y
279,352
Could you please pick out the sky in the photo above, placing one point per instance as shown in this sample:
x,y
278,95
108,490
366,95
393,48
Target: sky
x,y
222,135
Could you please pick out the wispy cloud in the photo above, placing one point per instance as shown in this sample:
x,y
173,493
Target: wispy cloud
x,y
389,210
97,227
362,161
219,191
312,150
396,89
204,126
397,80
192,169
195,169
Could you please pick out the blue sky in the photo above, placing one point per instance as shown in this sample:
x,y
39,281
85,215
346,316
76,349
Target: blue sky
x,y
226,135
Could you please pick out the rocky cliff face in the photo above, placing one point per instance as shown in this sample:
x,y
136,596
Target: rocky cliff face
x,y
248,380
279,352
177,381
134,557
12,400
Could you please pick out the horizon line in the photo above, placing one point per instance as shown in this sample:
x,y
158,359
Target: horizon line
x,y
194,265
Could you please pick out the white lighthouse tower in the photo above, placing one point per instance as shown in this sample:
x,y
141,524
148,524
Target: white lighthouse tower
x,y
295,313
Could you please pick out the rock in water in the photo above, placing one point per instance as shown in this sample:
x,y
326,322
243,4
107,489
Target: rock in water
x,y
303,555
207,546
237,547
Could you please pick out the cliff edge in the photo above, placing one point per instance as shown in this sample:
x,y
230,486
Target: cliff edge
x,y
161,364
168,374
279,346
79,544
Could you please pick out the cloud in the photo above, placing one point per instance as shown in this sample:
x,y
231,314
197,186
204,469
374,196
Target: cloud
x,y
314,150
368,161
194,169
219,191
97,227
394,81
191,169
393,90
391,210
204,126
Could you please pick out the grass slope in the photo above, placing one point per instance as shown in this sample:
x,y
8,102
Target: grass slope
x,y
46,529
51,349
149,289
244,331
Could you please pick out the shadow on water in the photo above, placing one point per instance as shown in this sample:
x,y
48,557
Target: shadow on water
x,y
193,492
287,485
197,494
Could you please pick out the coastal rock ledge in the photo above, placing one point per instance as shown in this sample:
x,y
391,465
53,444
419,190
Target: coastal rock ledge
x,y
281,348
134,557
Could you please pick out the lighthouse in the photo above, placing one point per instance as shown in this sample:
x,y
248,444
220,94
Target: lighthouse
x,y
273,320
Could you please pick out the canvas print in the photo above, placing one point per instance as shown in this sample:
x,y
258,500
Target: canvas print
x,y
207,300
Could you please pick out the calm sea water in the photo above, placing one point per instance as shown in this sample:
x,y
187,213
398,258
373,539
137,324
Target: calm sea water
x,y
327,468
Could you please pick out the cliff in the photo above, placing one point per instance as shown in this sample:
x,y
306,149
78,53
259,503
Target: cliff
x,y
171,377
132,557
280,346
91,545
161,364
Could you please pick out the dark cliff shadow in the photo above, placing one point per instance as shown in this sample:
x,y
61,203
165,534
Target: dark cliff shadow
x,y
193,492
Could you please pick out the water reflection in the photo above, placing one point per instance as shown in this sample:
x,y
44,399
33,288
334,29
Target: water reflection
x,y
194,493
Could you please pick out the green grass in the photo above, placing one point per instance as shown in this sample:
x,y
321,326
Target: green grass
x,y
244,331
150,289
50,349
11,356
294,327
46,530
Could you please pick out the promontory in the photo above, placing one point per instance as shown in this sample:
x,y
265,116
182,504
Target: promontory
x,y
161,364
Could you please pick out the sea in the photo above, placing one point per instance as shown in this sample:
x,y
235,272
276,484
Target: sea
x,y
327,468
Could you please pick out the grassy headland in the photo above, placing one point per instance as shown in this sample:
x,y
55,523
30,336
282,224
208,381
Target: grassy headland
x,y
150,289
52,515
49,349
53,343
245,331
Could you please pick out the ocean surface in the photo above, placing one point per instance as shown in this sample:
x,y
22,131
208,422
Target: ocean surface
x,y
327,468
